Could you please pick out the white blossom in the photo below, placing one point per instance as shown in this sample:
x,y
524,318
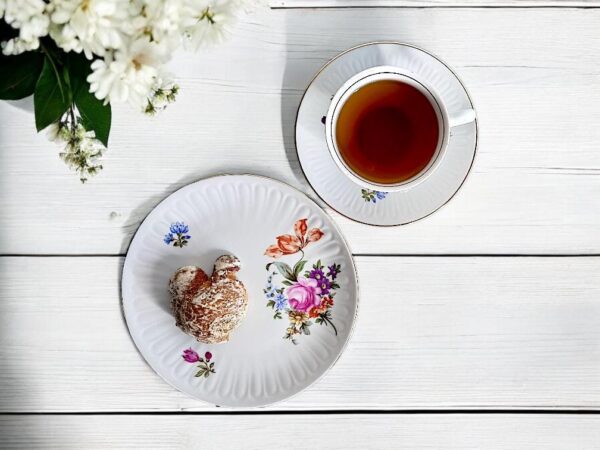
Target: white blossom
x,y
129,75
82,151
65,37
27,16
94,26
208,23
161,20
129,41
163,93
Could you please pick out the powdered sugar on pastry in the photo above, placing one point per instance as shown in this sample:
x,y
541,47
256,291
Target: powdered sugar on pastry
x,y
209,308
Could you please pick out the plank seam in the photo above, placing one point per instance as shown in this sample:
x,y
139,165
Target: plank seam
x,y
435,7
360,255
554,411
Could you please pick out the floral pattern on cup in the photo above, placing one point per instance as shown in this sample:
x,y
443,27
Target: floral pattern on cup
x,y
303,296
205,365
177,235
371,196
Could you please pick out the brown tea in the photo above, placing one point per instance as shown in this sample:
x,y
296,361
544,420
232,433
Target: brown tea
x,y
387,131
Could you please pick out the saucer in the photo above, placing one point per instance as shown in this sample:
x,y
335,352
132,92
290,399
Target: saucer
x,y
371,207
296,268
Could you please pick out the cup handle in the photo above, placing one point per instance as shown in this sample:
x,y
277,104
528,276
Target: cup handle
x,y
462,118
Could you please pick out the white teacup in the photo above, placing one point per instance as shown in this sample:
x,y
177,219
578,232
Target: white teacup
x,y
445,123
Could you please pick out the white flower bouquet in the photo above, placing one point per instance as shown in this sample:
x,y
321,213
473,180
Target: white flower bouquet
x,y
77,57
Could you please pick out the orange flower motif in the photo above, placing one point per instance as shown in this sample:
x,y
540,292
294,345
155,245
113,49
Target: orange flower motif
x,y
314,235
288,244
273,251
300,228
326,302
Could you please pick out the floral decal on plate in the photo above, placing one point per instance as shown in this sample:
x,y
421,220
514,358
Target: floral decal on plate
x,y
177,235
304,295
372,196
205,366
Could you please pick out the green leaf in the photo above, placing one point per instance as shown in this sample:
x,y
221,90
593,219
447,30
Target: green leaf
x,y
94,114
78,67
298,267
284,270
19,74
50,99
271,304
286,283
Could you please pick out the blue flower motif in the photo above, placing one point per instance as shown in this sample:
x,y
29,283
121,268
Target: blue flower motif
x,y
280,302
177,235
270,294
372,196
179,228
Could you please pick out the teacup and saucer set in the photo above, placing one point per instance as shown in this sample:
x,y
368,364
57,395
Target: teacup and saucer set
x,y
340,183
240,290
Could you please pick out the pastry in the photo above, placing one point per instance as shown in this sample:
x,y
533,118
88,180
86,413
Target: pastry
x,y
209,308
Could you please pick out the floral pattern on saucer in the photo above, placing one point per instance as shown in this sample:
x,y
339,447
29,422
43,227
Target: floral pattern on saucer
x,y
371,196
303,295
205,365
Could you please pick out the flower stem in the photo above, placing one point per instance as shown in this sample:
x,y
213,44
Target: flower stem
x,y
331,323
73,122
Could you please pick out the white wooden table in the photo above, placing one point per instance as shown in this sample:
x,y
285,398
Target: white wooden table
x,y
479,326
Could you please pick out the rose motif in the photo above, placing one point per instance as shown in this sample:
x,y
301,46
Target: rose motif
x,y
303,295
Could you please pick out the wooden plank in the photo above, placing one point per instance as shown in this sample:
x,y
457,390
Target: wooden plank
x,y
432,333
332,431
532,74
433,3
